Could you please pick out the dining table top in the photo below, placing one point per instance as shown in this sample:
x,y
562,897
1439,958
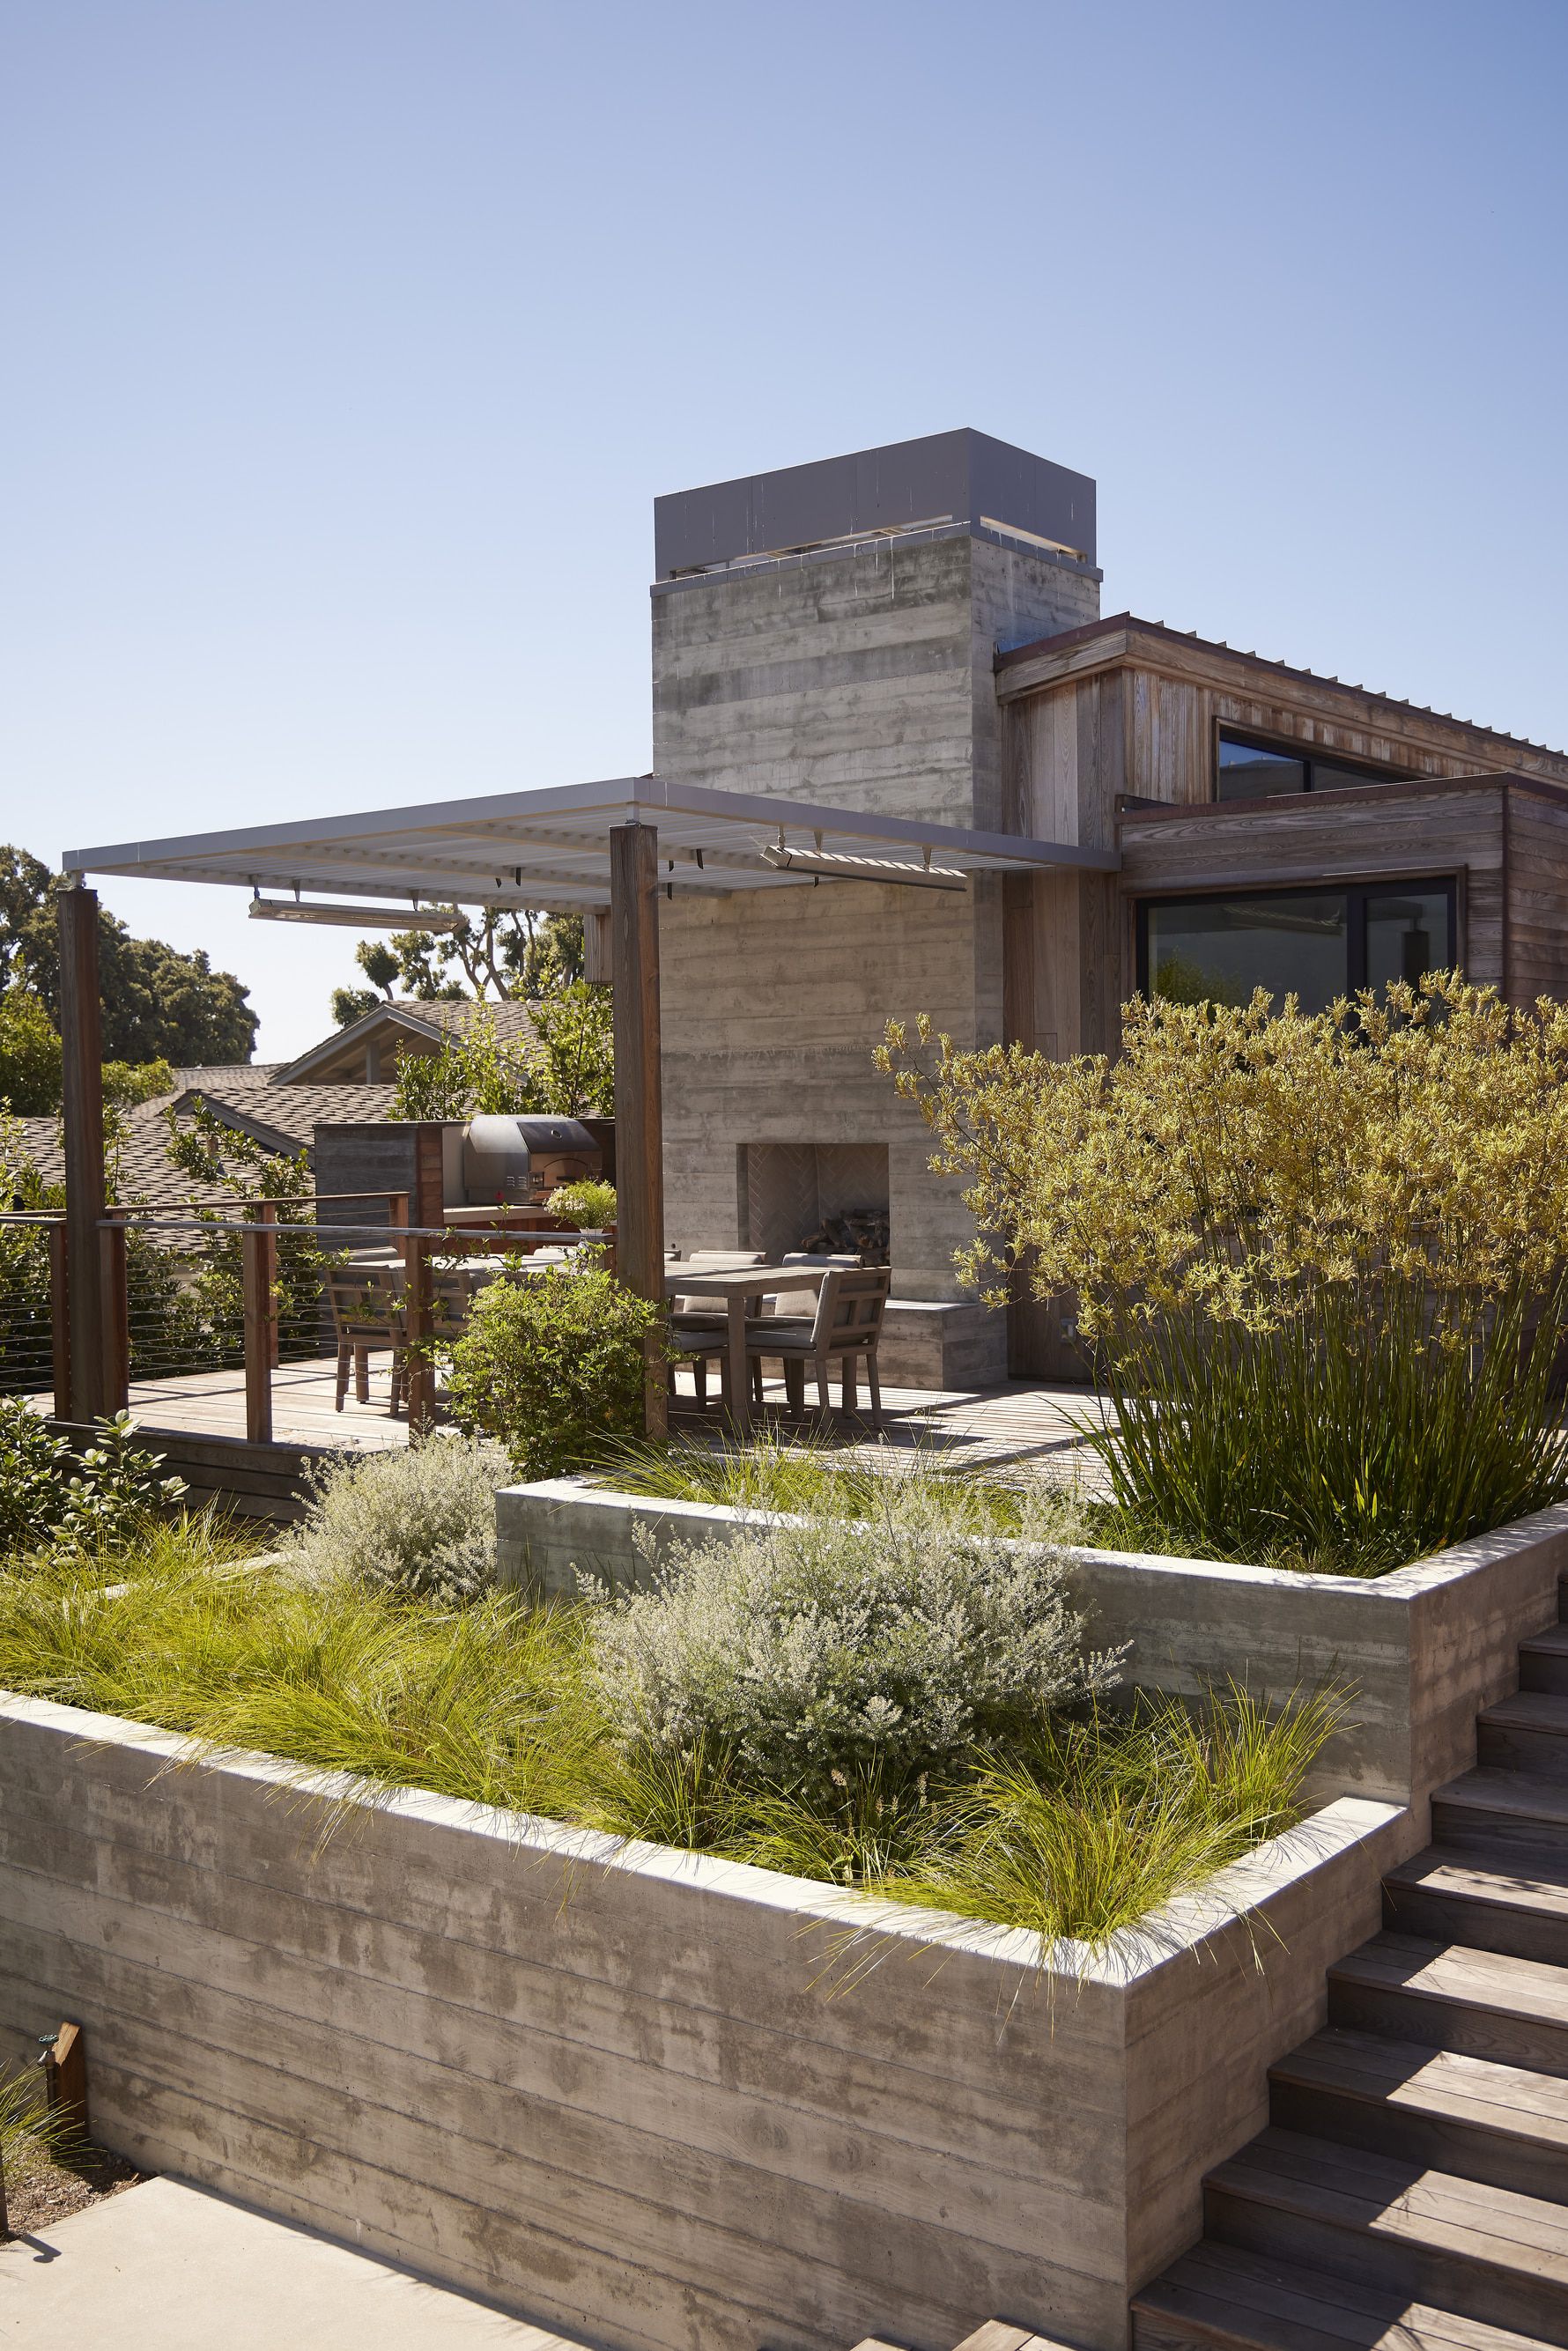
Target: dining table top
x,y
740,1280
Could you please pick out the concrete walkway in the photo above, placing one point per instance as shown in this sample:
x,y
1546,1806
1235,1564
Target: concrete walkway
x,y
164,2267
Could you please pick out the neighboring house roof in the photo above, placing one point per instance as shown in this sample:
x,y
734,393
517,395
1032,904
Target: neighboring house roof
x,y
220,1075
426,1025
281,1121
284,1118
1123,638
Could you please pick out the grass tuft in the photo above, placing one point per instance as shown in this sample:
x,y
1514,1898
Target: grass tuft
x,y
1076,1832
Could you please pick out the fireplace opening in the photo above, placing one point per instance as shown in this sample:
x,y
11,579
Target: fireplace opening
x,y
830,1198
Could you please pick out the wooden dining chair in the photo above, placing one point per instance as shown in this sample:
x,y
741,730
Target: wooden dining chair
x,y
368,1318
698,1327
846,1325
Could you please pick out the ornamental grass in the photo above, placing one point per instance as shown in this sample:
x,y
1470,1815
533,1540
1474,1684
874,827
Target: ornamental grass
x,y
1072,1819
1318,1259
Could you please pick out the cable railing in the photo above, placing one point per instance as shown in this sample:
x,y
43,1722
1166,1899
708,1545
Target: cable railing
x,y
201,1301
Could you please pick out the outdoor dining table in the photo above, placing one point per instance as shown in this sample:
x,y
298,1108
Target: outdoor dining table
x,y
735,1285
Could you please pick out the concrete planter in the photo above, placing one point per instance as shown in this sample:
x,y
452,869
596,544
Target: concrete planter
x,y
648,2098
1422,1649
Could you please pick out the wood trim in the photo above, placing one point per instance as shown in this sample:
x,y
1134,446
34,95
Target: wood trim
x,y
112,1237
81,1041
639,1078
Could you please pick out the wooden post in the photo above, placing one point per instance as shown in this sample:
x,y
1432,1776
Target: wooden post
x,y
112,1238
82,1072
60,1321
260,1314
418,1371
65,2082
639,1101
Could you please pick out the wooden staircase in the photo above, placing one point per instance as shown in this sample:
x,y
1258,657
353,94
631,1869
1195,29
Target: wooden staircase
x,y
1412,2188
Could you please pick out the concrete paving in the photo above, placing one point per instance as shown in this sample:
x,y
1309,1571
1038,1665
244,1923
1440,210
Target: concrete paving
x,y
166,2267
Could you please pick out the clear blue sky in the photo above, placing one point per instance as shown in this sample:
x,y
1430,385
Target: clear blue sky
x,y
345,344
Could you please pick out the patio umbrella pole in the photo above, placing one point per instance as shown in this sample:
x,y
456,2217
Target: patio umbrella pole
x,y
639,1107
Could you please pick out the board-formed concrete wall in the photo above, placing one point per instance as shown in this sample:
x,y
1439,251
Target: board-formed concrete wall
x,y
1418,1652
607,2088
859,678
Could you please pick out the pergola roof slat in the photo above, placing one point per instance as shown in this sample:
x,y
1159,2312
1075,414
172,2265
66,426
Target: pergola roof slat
x,y
521,849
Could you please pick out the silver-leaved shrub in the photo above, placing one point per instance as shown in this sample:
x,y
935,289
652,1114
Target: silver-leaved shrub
x,y
817,1651
420,1521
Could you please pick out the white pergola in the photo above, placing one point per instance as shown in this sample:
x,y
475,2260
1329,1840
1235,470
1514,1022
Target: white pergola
x,y
583,847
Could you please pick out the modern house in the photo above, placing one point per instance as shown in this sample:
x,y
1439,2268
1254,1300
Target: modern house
x,y
902,765
916,630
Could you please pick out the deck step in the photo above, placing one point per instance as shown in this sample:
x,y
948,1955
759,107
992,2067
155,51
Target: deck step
x,y
1501,1811
1525,1733
1464,2245
1439,2108
1232,2301
1451,1996
1449,1897
1543,1660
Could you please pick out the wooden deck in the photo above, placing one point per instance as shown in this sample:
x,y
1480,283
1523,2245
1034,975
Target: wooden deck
x,y
1023,1425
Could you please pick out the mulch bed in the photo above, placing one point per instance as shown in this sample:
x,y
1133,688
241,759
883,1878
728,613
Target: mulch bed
x,y
41,2188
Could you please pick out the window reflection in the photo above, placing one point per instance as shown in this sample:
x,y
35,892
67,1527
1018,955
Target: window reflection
x,y
1220,949
1248,769
1251,771
1407,936
1314,944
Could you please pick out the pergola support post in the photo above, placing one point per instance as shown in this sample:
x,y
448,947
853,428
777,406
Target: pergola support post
x,y
81,1040
638,1099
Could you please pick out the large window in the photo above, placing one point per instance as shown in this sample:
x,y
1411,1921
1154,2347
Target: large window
x,y
1250,767
1314,943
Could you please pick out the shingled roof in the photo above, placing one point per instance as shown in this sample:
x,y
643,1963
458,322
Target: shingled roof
x,y
282,1119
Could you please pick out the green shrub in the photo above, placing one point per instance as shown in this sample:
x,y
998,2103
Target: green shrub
x,y
554,1366
590,1205
1318,1259
48,1499
420,1521
827,1653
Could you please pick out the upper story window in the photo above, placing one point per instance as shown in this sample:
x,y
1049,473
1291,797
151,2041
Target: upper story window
x,y
1250,767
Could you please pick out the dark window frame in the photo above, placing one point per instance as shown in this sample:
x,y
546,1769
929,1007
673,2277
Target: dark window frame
x,y
1355,895
1309,755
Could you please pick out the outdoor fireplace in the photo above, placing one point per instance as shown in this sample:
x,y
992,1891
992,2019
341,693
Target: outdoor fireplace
x,y
826,1197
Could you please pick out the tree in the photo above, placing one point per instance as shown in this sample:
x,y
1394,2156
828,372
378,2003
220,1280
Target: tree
x,y
517,956
380,967
566,1070
157,1003
29,1056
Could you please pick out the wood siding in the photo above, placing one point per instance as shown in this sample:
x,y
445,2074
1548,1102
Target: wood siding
x,y
1325,837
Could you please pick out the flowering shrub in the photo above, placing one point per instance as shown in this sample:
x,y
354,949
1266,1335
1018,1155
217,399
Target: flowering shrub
x,y
819,1653
420,1522
49,1500
1319,1260
589,1204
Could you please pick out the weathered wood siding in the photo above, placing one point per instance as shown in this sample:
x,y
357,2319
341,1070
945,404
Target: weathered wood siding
x,y
1399,831
614,2094
1536,838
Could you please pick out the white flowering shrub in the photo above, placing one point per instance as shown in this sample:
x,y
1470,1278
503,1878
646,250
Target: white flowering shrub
x,y
420,1521
823,1651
